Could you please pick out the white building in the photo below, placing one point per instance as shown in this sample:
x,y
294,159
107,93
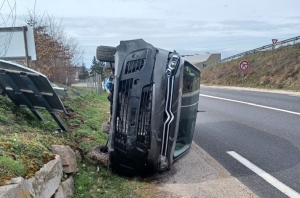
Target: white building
x,y
202,60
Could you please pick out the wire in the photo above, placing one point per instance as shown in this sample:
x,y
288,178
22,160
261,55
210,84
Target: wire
x,y
9,35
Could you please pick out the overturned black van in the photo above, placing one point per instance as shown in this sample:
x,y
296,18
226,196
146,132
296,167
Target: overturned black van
x,y
154,108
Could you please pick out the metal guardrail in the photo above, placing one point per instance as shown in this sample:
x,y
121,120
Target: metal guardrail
x,y
271,46
28,88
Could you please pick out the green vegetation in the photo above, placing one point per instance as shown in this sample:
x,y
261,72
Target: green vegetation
x,y
97,181
277,69
10,167
25,144
97,66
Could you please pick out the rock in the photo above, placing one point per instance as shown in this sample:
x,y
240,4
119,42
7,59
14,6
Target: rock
x,y
15,188
68,157
105,127
78,155
66,189
46,181
43,185
16,180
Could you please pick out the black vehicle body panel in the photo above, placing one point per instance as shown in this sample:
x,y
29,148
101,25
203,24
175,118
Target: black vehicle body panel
x,y
141,126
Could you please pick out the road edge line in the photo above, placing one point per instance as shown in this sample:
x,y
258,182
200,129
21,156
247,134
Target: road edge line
x,y
266,176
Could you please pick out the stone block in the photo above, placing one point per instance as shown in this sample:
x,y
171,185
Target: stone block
x,y
66,189
15,188
68,157
47,180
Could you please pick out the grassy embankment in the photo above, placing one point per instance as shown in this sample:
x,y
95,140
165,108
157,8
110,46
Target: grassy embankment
x,y
25,144
277,69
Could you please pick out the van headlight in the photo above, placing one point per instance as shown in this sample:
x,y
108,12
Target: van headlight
x,y
173,61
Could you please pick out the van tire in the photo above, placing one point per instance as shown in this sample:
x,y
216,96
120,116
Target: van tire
x,y
100,154
106,53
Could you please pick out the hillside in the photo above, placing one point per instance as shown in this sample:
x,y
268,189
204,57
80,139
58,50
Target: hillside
x,y
277,69
25,144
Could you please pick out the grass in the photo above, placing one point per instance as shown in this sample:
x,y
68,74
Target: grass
x,y
10,167
97,181
277,69
25,144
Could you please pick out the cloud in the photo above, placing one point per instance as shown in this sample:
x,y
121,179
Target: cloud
x,y
190,35
190,26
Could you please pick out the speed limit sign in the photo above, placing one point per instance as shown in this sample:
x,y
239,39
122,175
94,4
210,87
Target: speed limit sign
x,y
244,65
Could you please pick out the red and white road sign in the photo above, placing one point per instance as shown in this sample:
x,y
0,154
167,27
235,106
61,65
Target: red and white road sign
x,y
274,41
244,65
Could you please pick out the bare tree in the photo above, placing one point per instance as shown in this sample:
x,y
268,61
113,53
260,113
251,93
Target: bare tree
x,y
58,54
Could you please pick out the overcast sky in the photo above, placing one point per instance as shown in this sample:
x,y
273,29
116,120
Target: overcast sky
x,y
189,27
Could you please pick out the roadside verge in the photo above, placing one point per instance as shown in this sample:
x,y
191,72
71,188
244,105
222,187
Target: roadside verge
x,y
197,174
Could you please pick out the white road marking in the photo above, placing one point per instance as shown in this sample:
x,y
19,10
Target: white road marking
x,y
253,89
294,95
252,104
269,178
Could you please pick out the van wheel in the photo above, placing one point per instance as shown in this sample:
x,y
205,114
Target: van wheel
x,y
100,154
106,53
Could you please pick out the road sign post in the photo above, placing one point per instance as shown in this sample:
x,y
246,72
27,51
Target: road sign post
x,y
274,41
243,78
244,66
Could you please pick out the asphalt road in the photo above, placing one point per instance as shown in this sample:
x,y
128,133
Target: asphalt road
x,y
255,136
